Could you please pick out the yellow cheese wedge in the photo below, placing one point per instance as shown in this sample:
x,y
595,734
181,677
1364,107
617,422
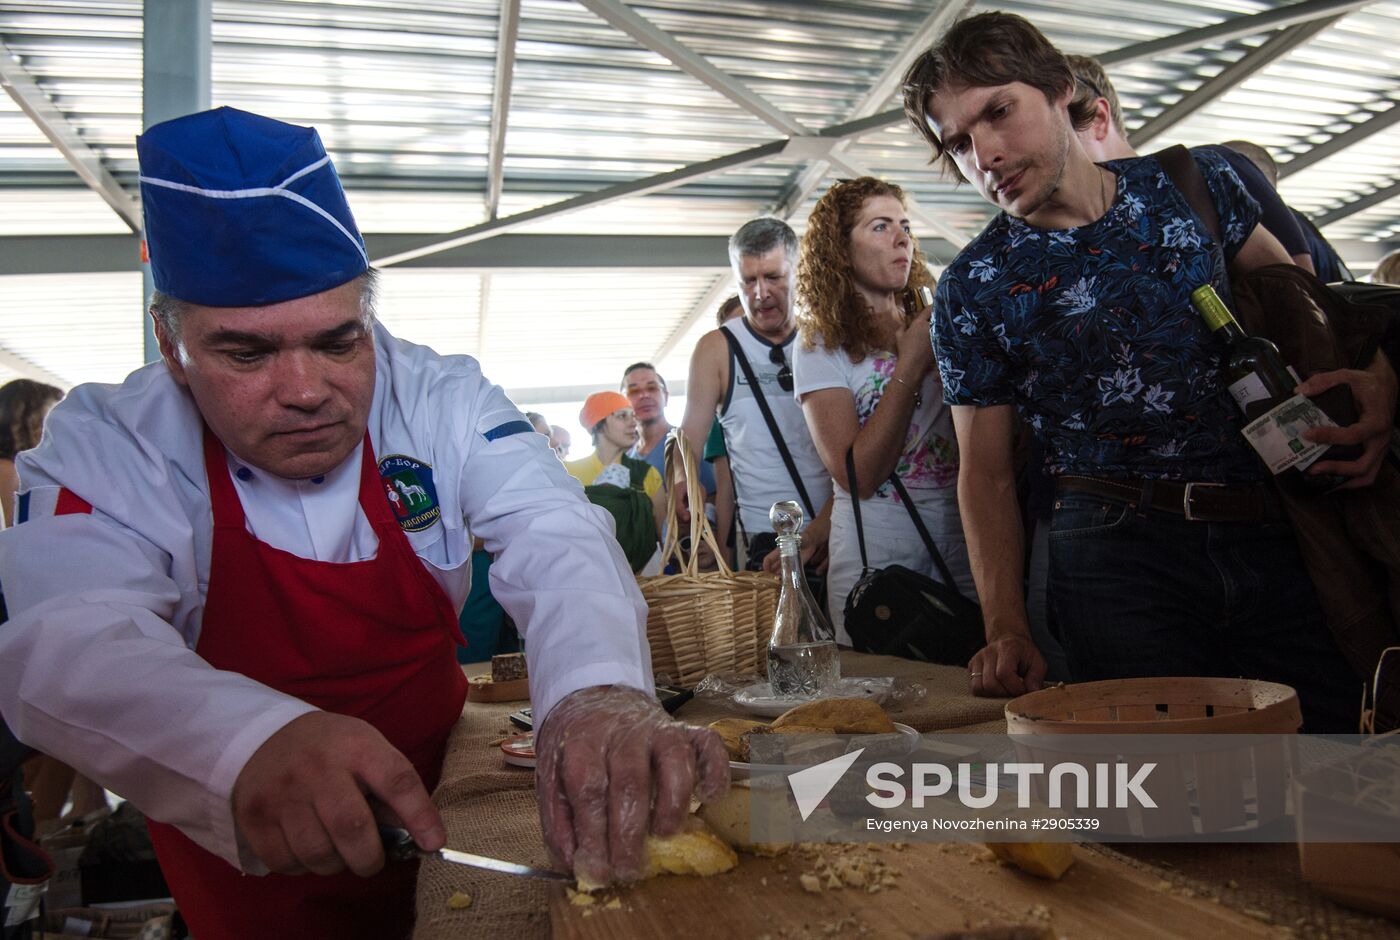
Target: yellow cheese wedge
x,y
1042,859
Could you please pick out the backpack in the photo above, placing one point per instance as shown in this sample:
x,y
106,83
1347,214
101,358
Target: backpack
x,y
1349,539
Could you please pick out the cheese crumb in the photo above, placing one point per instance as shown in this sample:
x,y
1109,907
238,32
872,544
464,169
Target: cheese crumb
x,y
580,898
811,883
459,901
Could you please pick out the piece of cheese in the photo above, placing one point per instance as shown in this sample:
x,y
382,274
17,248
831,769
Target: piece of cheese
x,y
729,816
695,850
1042,859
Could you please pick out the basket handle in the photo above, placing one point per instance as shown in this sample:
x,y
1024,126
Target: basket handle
x,y
678,449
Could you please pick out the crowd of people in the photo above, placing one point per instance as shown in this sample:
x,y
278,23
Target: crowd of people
x,y
239,533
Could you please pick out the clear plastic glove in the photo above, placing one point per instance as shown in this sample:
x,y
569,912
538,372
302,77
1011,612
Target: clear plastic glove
x,y
723,684
611,766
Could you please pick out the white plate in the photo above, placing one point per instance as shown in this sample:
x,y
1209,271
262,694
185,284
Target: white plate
x,y
758,699
738,770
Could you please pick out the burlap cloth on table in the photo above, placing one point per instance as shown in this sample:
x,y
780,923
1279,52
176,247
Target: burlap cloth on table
x,y
488,808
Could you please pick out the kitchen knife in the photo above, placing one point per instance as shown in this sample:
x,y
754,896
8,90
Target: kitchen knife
x,y
399,846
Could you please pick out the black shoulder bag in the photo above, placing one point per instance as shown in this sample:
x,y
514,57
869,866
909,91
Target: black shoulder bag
x,y
897,611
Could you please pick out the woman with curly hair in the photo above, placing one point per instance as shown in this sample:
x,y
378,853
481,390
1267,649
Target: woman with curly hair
x,y
24,404
865,376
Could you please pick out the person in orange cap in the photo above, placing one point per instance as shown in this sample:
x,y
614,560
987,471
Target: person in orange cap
x,y
627,487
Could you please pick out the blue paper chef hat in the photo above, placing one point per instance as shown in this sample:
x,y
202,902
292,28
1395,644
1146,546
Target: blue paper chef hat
x,y
242,210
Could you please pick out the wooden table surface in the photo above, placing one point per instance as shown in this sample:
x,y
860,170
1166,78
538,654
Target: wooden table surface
x,y
938,888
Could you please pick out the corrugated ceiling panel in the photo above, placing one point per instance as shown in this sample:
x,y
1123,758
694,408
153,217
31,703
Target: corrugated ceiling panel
x,y
82,327
401,92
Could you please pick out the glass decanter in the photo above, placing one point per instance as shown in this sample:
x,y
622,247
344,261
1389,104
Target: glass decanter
x,y
802,657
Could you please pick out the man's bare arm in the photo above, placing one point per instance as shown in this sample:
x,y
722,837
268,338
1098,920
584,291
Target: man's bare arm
x,y
709,374
1009,664
1260,249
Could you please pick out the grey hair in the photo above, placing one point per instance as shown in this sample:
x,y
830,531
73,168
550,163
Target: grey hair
x,y
760,236
169,311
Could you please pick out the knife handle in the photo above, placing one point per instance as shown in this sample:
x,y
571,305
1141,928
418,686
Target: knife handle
x,y
398,844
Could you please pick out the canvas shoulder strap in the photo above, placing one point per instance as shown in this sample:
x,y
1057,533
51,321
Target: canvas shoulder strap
x,y
1182,170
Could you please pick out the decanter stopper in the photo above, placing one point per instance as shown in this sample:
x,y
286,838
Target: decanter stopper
x,y
786,517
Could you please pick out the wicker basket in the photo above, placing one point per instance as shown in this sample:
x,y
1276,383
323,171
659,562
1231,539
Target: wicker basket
x,y
1237,781
703,622
1332,804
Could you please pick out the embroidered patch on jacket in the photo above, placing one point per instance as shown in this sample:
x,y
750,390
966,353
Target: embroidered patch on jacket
x,y
408,485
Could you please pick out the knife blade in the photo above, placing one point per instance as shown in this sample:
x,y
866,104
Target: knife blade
x,y
399,846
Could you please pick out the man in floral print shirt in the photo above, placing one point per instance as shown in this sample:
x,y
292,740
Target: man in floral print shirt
x,y
1169,553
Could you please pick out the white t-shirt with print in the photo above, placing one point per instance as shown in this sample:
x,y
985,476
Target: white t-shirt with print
x,y
929,458
927,465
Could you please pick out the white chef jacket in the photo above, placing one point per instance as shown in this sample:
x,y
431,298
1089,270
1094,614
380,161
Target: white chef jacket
x,y
97,662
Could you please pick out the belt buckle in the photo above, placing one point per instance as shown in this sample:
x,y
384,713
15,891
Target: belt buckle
x,y
1186,499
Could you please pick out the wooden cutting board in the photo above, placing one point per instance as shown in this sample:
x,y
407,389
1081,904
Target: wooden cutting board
x,y
939,888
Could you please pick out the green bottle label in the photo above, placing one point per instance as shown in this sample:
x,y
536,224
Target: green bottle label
x,y
1211,308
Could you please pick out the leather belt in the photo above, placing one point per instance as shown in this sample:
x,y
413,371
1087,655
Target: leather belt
x,y
1197,502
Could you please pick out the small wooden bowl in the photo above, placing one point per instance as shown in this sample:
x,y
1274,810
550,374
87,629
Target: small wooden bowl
x,y
482,689
1210,786
1174,705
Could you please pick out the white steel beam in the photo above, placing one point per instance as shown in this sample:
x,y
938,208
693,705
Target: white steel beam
x,y
1237,27
641,187
54,125
500,103
483,315
705,306
1384,194
1233,28
662,43
1353,135
624,18
942,16
1253,61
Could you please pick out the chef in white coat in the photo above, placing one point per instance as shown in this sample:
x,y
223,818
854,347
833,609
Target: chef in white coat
x,y
234,581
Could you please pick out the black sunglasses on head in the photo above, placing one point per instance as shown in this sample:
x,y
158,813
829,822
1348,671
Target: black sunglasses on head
x,y
775,356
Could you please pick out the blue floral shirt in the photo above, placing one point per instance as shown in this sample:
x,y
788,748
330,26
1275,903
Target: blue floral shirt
x,y
1091,333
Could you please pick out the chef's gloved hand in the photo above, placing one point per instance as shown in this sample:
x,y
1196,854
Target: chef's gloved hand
x,y
301,801
611,766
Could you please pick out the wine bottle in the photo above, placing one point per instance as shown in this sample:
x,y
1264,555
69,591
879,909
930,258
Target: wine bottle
x,y
1262,384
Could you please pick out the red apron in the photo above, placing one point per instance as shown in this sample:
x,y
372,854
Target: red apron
x,y
372,639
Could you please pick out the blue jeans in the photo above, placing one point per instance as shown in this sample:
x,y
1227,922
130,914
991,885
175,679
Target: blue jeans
x,y
1142,592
